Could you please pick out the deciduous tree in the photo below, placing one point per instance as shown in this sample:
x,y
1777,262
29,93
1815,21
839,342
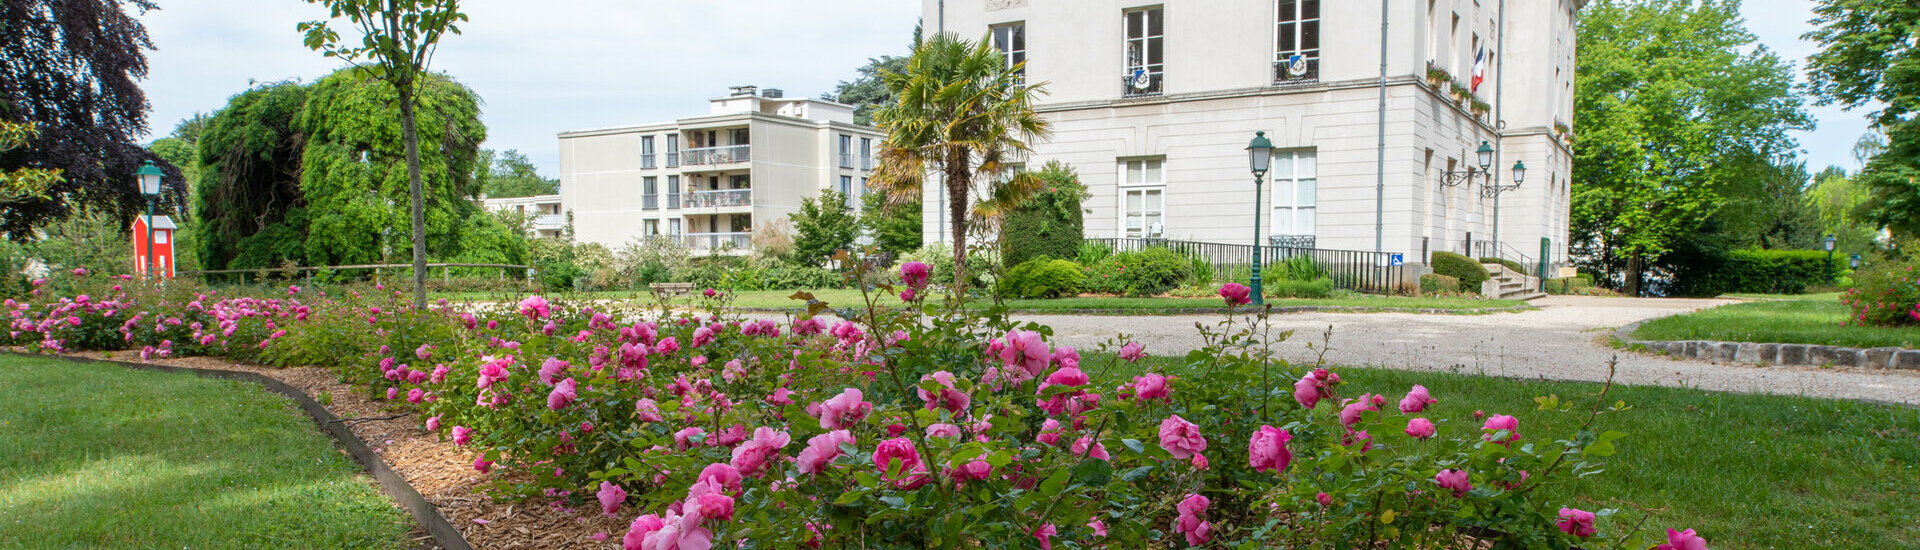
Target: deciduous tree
x,y
1869,57
823,225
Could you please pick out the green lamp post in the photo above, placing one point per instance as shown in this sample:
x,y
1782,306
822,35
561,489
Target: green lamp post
x,y
150,188
1259,159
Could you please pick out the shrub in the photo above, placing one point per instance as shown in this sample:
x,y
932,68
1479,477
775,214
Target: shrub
x,y
1043,277
1202,274
1435,283
939,256
1570,285
1144,272
1049,223
1092,252
1763,271
1513,265
1470,273
1296,288
1885,294
1298,268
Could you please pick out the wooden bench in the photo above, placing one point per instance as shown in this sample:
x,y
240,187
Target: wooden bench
x,y
670,290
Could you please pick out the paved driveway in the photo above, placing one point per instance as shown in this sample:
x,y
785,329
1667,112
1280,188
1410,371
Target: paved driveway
x,y
1564,339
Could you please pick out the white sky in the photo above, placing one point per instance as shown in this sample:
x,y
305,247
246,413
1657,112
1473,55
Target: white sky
x,y
545,67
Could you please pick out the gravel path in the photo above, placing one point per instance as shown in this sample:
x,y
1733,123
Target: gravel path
x,y
1563,340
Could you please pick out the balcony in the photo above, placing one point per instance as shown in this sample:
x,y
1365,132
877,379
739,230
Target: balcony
x,y
708,242
724,198
711,156
549,222
1305,71
1131,86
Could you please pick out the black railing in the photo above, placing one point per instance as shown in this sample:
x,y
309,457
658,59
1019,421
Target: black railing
x,y
1130,85
1478,249
1284,72
1361,271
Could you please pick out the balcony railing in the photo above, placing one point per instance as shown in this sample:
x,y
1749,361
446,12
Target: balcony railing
x,y
1131,86
719,241
846,160
1285,72
650,202
717,155
673,160
866,163
549,221
646,162
721,198
673,201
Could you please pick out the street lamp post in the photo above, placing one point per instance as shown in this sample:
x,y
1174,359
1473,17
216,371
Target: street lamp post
x,y
1830,243
1493,191
150,188
1259,158
1853,262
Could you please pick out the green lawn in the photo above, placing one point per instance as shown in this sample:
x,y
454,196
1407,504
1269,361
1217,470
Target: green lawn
x,y
1747,471
840,298
100,456
1809,319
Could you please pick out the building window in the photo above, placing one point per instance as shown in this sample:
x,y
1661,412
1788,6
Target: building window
x,y
1011,40
742,136
673,150
673,192
846,151
160,237
846,187
1143,196
650,193
866,153
652,228
646,152
1296,192
1296,57
1146,55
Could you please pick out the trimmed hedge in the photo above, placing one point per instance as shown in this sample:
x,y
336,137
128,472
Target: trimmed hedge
x,y
1469,272
1513,265
1043,277
1569,285
1050,223
1139,273
1434,283
1755,271
1290,288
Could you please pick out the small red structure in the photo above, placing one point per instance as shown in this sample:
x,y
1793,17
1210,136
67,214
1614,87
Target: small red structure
x,y
162,245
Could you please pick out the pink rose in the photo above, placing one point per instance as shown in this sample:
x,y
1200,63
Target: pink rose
x,y
1416,400
1087,447
821,450
685,437
462,435
914,274
722,475
1576,522
1350,414
1683,540
647,410
898,456
1420,428
562,395
943,430
610,496
1191,522
1132,352
1324,499
947,397
1267,450
535,307
1150,386
1455,480
550,369
1314,386
844,411
714,506
1236,294
639,530
1502,422
1026,350
1045,533
433,424
1181,438
753,455
1049,432
481,463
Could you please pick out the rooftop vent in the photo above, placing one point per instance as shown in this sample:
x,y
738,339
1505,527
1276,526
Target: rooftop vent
x,y
740,91
773,93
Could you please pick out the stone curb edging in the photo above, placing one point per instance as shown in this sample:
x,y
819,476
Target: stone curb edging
x,y
423,512
1219,310
1768,354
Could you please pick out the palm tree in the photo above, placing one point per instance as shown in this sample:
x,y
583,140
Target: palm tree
x,y
961,111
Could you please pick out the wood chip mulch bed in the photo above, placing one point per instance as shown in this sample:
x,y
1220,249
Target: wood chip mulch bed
x,y
441,472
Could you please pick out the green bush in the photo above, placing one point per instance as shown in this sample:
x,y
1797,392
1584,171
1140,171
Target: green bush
x,y
1202,274
1298,268
1885,294
1758,271
1139,273
1569,285
939,256
803,277
1043,277
1092,252
1049,223
1513,265
1470,273
1434,283
1295,288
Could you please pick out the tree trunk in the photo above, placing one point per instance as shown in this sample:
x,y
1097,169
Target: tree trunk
x,y
408,133
1633,275
959,182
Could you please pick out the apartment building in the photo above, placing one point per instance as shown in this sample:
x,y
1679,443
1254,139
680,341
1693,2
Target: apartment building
x,y
711,180
1155,102
547,218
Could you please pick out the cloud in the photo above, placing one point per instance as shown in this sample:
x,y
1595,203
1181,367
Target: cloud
x,y
544,67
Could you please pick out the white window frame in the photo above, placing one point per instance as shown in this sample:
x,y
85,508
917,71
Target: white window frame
x,y
1286,197
1297,18
1151,180
1011,40
1144,45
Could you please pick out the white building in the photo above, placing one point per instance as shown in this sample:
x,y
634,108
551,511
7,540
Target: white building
x,y
547,216
1154,103
713,179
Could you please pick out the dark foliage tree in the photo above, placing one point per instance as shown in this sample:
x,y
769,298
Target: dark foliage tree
x,y
823,225
867,92
895,227
72,69
1870,55
511,174
1050,222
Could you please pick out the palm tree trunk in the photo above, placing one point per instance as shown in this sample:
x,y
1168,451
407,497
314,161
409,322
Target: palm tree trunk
x,y
412,138
959,182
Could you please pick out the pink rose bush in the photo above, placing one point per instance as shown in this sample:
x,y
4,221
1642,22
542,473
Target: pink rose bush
x,y
703,429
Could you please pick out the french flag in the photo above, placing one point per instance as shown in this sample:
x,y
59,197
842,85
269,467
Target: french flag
x,y
1479,69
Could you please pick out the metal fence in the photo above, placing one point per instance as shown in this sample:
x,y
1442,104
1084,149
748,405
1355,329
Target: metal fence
x,y
1478,249
1371,272
375,271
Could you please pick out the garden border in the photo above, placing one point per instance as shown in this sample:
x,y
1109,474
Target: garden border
x,y
1770,353
424,513
1218,310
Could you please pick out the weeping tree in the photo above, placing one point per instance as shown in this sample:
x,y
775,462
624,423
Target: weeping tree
x,y
397,41
961,111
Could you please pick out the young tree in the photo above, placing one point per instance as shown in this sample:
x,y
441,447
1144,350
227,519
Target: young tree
x,y
70,69
1671,93
823,225
961,111
895,227
398,38
1869,56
